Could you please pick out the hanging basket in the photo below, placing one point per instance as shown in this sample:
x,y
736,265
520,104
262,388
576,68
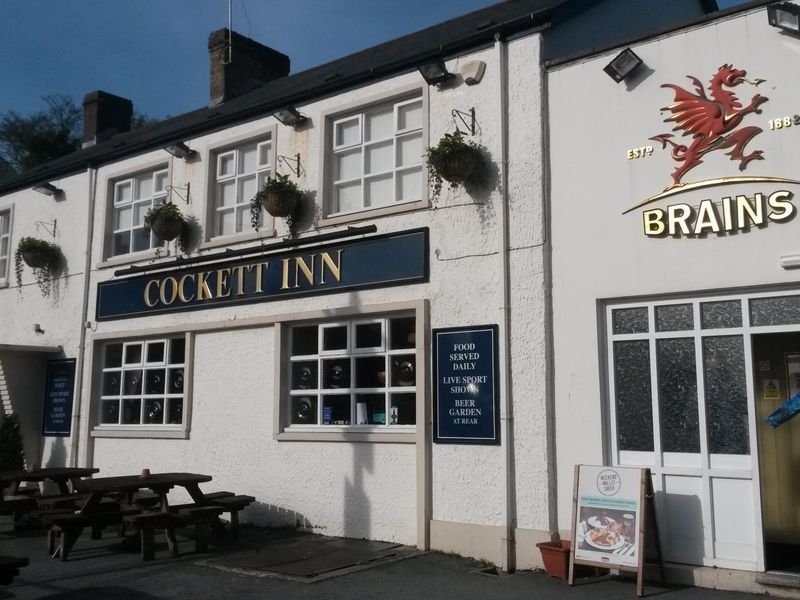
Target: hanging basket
x,y
166,228
458,167
279,204
37,259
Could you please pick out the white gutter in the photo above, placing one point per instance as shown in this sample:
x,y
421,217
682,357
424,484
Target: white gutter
x,y
79,402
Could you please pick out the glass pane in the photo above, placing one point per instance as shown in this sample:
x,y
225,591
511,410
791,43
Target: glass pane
x,y
348,165
379,191
634,403
225,165
371,409
409,116
677,395
227,194
247,189
409,185
402,333
144,186
264,154
155,352
334,338
336,410
347,133
132,382
141,239
155,381
122,218
336,373
177,351
122,193
674,317
348,197
629,320
304,410
175,381
719,315
409,150
4,223
370,372
379,158
726,395
304,340
160,181
175,411
113,355
242,217
369,335
403,371
227,222
139,212
784,310
111,381
110,411
378,125
131,411
403,409
247,159
154,411
122,243
304,375
3,265
133,354
4,246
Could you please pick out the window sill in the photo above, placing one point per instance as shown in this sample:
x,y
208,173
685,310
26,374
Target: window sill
x,y
164,432
374,213
399,435
3,283
238,238
126,259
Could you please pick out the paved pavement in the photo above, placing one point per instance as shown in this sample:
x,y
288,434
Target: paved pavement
x,y
105,569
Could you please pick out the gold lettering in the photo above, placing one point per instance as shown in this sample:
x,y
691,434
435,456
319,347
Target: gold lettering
x,y
238,273
727,215
259,276
163,293
783,208
300,265
155,283
679,214
654,222
335,268
285,274
755,211
706,218
203,291
223,291
181,291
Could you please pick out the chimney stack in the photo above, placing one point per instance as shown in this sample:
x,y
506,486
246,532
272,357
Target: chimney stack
x,y
104,115
242,67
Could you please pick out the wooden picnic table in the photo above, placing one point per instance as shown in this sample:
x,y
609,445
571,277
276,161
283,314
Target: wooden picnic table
x,y
61,476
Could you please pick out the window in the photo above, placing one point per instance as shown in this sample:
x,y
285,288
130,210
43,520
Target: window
x,y
377,157
5,243
239,173
143,382
133,197
357,373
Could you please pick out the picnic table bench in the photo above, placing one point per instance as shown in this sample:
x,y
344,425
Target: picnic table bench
x,y
63,477
9,568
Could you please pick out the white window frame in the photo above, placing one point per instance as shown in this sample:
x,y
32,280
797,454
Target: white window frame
x,y
6,216
161,172
358,111
264,168
142,429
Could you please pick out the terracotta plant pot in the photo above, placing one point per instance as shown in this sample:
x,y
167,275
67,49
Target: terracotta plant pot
x,y
555,556
279,205
168,227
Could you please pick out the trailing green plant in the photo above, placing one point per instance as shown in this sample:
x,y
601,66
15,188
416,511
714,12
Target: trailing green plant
x,y
44,259
12,453
166,221
458,162
280,197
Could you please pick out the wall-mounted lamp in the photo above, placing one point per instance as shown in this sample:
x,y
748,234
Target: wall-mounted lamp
x,y
435,73
48,189
290,116
181,150
785,16
625,63
790,261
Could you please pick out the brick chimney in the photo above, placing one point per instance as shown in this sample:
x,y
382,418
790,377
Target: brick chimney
x,y
104,115
247,65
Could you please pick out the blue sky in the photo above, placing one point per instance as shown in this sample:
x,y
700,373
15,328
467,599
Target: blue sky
x,y
155,51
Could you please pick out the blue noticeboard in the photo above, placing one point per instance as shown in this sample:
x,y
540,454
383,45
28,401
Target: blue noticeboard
x,y
59,388
466,385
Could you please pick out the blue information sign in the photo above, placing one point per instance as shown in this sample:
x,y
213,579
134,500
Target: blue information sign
x,y
393,259
59,387
465,375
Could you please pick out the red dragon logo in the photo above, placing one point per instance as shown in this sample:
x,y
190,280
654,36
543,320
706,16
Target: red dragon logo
x,y
711,122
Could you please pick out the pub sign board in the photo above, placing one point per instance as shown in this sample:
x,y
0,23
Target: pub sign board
x,y
377,261
466,385
59,389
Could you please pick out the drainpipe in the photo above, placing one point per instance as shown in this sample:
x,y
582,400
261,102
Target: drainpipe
x,y
506,409
79,403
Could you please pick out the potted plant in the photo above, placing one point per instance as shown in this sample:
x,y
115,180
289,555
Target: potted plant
x,y
457,162
555,556
43,257
280,197
165,221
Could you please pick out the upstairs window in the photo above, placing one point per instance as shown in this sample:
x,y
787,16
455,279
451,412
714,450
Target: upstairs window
x,y
5,243
133,197
239,173
377,157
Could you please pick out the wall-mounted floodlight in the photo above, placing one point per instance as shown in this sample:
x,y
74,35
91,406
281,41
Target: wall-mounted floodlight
x,y
181,150
785,16
625,63
290,116
435,73
48,189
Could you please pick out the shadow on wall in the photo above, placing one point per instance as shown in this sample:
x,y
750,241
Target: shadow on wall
x,y
680,525
58,454
272,515
357,507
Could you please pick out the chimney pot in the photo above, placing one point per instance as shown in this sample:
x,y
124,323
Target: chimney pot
x,y
104,115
